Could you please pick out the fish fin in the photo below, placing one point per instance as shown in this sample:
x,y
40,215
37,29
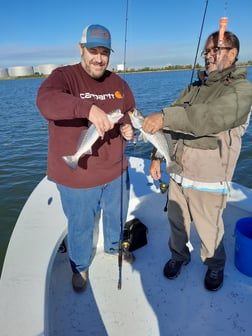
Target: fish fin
x,y
168,138
70,161
89,151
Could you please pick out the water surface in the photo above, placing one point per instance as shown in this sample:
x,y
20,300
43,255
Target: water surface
x,y
24,137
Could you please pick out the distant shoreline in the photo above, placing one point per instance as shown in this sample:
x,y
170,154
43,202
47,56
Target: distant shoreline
x,y
133,71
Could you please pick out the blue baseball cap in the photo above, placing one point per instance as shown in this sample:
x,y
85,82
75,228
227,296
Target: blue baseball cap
x,y
96,35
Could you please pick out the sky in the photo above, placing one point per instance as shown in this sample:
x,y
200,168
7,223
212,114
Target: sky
x,y
153,33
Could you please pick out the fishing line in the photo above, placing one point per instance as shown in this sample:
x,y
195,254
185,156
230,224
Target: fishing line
x,y
197,50
121,247
225,7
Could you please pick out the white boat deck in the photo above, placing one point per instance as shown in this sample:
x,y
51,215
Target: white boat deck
x,y
35,303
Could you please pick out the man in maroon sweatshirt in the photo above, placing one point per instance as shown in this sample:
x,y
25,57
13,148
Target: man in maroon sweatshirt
x,y
72,98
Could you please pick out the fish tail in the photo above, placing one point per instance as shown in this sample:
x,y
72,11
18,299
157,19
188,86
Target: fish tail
x,y
173,167
70,161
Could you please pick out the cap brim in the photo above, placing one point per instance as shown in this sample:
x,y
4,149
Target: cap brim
x,y
93,45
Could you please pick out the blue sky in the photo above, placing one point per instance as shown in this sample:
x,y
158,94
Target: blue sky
x,y
159,32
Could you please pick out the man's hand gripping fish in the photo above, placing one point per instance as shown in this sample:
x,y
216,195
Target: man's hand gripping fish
x,y
87,139
163,143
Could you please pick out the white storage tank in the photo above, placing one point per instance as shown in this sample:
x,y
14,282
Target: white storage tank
x,y
20,71
46,69
36,70
4,72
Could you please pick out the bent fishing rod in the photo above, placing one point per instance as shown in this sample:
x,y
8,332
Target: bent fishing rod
x,y
198,45
222,29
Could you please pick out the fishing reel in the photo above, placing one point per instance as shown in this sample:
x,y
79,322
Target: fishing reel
x,y
163,186
126,253
125,244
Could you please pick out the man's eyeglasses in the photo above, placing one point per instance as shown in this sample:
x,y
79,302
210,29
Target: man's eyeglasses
x,y
214,50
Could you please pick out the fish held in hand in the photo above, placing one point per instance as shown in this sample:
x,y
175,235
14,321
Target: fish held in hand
x,y
87,139
162,142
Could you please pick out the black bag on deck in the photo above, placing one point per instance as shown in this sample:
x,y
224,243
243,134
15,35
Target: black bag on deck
x,y
135,234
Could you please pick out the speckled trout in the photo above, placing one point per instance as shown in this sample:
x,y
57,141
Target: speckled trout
x,y
162,142
87,139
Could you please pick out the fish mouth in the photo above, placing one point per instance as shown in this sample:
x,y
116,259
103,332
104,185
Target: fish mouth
x,y
132,112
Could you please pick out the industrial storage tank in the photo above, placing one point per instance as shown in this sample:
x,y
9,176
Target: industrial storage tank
x,y
46,69
3,72
20,71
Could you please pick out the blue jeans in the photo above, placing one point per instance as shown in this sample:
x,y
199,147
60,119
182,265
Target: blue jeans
x,y
81,206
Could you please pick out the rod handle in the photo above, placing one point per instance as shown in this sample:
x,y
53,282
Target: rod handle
x,y
223,27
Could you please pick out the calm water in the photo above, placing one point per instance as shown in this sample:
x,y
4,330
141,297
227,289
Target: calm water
x,y
23,137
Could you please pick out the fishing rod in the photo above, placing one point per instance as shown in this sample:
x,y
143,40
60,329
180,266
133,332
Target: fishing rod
x,y
122,244
197,50
223,26
222,29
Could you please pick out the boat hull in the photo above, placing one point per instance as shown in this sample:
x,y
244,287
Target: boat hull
x,y
37,296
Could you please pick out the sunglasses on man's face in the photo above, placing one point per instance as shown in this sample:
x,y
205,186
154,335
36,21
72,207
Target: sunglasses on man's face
x,y
214,50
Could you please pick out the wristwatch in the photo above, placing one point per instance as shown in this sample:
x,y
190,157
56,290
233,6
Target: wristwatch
x,y
154,157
